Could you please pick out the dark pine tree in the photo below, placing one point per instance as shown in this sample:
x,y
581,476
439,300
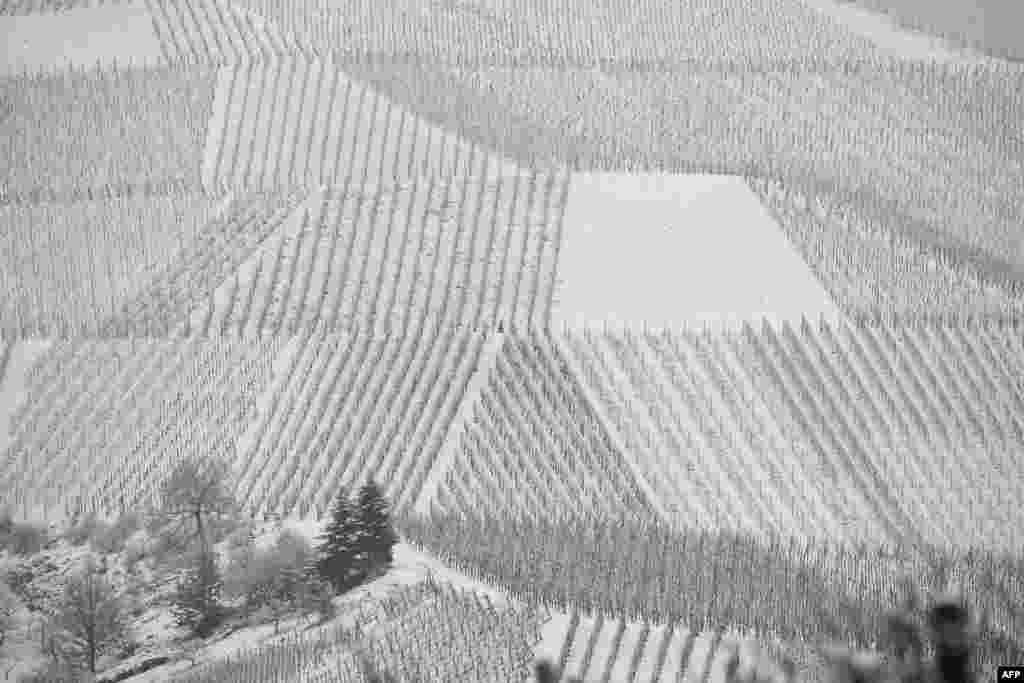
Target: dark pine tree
x,y
336,552
376,537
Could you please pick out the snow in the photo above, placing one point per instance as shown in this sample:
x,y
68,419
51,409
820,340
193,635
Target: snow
x,y
578,649
20,653
410,566
678,250
156,632
81,36
893,38
649,660
601,656
453,440
627,650
12,385
673,663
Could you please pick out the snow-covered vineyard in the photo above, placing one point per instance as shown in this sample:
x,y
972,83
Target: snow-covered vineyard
x,y
667,342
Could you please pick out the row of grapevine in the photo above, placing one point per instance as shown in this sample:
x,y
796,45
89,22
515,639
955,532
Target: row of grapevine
x,y
320,654
533,433
247,300
663,441
438,633
165,302
842,456
783,589
869,269
834,432
297,120
67,265
464,252
451,446
458,636
214,31
82,129
102,433
20,7
6,350
802,124
348,407
126,191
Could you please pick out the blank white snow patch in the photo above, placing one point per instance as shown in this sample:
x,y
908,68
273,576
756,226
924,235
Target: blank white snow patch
x,y
673,250
83,36
13,392
890,37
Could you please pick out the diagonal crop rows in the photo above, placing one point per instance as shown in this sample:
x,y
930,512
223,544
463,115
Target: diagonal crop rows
x,y
213,31
132,408
67,266
20,7
352,406
78,131
847,432
532,432
869,269
612,650
296,120
388,261
167,300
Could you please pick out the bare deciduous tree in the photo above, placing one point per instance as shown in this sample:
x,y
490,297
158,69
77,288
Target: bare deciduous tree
x,y
90,616
196,496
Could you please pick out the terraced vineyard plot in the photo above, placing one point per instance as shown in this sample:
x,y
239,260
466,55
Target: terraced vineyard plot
x,y
857,428
64,267
213,31
165,302
458,634
535,33
82,130
702,582
20,7
477,251
374,629
106,420
705,437
345,408
896,160
871,269
298,120
532,432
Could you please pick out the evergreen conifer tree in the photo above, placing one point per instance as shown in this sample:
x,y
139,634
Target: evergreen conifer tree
x,y
375,537
336,552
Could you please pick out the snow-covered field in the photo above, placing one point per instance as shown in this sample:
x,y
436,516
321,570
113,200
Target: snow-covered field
x,y
892,38
673,250
155,631
13,391
120,32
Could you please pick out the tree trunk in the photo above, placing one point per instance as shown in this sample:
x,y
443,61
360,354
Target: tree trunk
x,y
199,525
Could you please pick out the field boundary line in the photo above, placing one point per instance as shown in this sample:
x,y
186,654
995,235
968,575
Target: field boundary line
x,y
449,447
613,435
5,358
291,226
